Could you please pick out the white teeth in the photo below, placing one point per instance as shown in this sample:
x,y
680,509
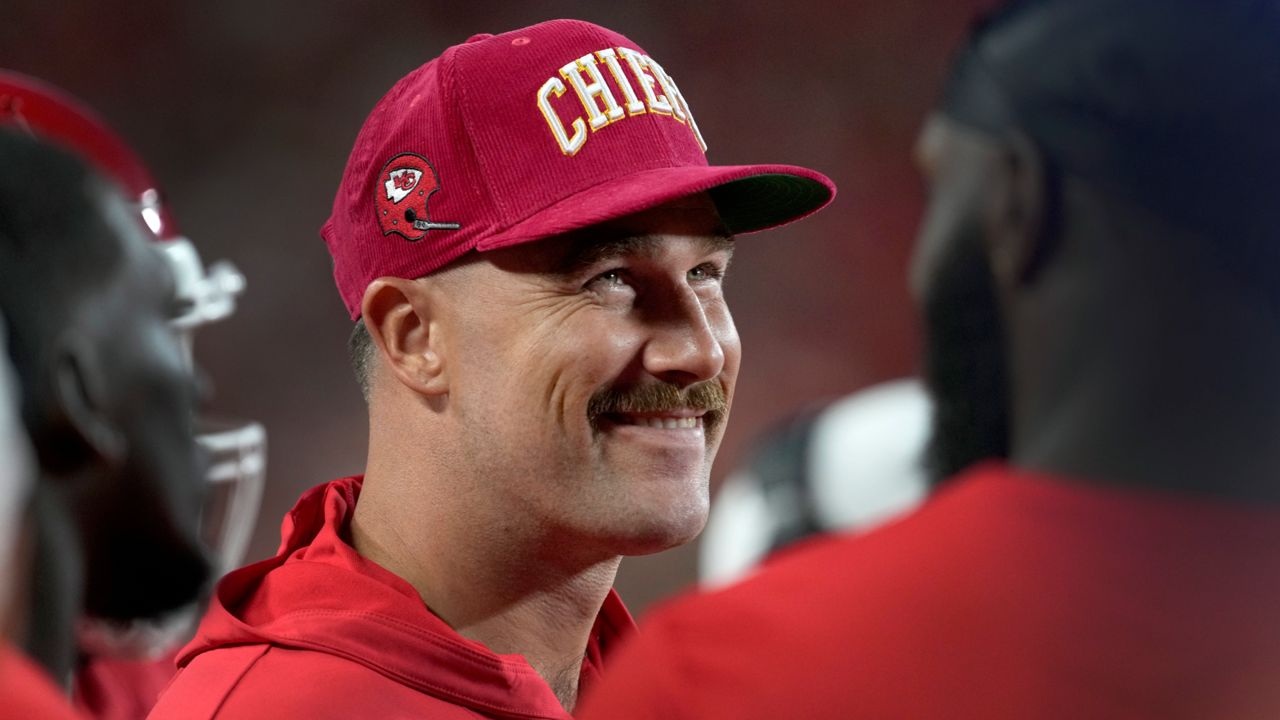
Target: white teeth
x,y
667,423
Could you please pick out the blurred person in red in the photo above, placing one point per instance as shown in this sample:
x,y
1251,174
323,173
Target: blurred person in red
x,y
109,530
533,245
121,667
1099,273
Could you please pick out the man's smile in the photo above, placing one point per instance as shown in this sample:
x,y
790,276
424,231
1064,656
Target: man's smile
x,y
687,419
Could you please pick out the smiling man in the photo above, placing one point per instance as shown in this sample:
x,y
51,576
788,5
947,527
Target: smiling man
x,y
533,247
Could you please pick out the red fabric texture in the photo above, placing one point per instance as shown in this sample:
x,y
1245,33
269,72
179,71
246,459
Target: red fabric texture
x,y
110,689
320,632
476,114
27,693
1009,595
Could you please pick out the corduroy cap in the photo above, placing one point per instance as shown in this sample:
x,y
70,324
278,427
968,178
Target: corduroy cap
x,y
512,138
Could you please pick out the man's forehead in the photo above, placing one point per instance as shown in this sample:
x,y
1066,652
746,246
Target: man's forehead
x,y
644,233
589,251
611,240
692,215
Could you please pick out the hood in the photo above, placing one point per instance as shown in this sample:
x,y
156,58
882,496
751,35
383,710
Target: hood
x,y
370,616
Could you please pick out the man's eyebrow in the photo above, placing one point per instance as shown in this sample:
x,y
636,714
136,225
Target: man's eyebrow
x,y
586,253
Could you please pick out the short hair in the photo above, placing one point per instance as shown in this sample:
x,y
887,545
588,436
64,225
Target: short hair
x,y
363,357
56,250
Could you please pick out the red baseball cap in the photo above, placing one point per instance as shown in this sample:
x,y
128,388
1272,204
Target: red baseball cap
x,y
512,138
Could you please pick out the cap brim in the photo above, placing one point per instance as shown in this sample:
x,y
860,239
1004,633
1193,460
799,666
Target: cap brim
x,y
748,197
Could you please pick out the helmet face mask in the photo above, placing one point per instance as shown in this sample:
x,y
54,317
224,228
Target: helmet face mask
x,y
205,296
235,450
236,455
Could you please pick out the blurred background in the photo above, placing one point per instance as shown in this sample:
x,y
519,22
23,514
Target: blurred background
x,y
246,111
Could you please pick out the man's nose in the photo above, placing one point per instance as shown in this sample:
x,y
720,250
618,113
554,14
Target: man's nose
x,y
684,347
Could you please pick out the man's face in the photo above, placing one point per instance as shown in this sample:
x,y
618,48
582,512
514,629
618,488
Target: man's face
x,y
142,552
964,356
591,376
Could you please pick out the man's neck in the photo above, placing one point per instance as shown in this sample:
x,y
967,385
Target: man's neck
x,y
550,625
513,591
1182,396
55,590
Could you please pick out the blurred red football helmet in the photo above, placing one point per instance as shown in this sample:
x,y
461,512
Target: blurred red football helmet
x,y
236,449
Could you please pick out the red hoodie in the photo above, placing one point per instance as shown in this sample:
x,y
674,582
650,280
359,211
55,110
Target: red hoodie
x,y
320,632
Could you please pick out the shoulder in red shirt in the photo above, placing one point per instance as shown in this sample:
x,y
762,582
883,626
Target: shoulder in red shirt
x,y
1008,595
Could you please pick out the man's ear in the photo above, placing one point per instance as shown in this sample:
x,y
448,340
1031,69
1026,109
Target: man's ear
x,y
399,317
1017,211
84,424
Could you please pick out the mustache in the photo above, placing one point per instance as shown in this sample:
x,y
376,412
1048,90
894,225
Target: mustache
x,y
707,396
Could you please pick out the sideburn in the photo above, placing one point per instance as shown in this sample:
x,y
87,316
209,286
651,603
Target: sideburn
x,y
965,363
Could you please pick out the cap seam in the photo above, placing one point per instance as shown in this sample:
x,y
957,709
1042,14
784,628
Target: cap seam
x,y
494,199
666,137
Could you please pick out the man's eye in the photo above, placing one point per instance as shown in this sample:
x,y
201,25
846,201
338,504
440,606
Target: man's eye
x,y
706,271
609,278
